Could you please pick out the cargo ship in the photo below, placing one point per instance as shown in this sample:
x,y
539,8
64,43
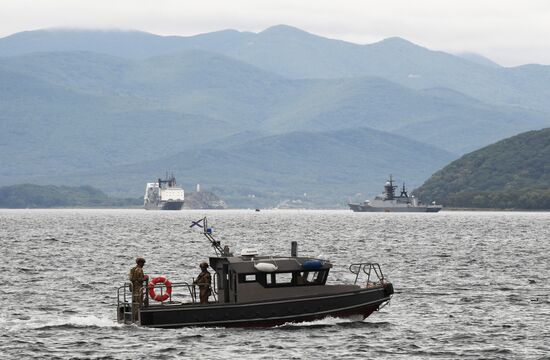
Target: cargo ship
x,y
163,195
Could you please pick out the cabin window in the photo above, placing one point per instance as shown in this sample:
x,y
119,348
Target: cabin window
x,y
247,278
283,278
315,277
295,278
312,276
299,278
277,279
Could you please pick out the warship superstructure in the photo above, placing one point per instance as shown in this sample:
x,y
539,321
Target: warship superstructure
x,y
389,202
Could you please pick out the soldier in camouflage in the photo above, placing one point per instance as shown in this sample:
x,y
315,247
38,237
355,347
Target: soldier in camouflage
x,y
203,281
137,277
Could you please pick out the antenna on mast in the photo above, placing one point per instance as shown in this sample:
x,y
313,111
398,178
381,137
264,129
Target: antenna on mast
x,y
203,223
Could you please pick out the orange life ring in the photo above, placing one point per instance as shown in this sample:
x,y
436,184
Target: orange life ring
x,y
158,297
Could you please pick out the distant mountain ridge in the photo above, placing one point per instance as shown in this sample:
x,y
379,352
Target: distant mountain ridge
x,y
479,59
259,118
231,96
294,53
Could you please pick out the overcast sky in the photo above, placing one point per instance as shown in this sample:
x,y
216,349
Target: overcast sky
x,y
509,32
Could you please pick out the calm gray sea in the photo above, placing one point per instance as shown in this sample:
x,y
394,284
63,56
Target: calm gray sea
x,y
468,285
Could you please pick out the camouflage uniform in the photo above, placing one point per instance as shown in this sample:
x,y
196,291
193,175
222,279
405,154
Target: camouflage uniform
x,y
204,280
136,283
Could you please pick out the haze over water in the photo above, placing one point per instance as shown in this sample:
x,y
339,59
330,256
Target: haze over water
x,y
468,284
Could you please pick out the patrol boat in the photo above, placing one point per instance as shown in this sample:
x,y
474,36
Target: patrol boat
x,y
250,290
389,202
163,195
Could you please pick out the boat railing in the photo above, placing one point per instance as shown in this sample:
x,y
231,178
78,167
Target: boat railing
x,y
372,271
187,296
178,293
213,291
121,295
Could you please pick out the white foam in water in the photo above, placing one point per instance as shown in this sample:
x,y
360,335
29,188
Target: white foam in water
x,y
328,321
38,322
92,321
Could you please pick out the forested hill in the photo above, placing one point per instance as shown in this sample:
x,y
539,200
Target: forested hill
x,y
511,174
51,196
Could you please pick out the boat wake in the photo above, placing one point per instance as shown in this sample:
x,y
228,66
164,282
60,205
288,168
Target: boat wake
x,y
47,322
321,323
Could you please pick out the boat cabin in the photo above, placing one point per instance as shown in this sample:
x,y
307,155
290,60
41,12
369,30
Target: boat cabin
x,y
250,277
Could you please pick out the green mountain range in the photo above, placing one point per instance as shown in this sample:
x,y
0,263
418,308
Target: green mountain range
x,y
52,196
511,174
258,118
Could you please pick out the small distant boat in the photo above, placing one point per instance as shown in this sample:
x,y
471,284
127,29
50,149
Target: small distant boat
x,y
251,290
389,202
163,195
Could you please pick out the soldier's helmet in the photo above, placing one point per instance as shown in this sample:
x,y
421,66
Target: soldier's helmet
x,y
203,265
140,260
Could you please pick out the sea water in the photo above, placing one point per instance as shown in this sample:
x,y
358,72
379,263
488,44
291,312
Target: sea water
x,y
467,284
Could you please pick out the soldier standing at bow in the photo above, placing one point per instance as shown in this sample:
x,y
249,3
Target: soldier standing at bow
x,y
137,277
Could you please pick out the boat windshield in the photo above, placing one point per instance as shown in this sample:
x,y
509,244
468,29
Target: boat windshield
x,y
283,279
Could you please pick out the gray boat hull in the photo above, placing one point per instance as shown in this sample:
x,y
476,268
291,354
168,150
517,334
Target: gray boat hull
x,y
266,313
368,208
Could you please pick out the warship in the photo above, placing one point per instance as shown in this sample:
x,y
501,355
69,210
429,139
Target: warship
x,y
389,202
163,195
251,290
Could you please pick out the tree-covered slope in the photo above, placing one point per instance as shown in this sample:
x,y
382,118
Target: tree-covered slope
x,y
512,173
47,196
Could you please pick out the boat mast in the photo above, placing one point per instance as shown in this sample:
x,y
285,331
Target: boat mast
x,y
389,189
404,192
203,223
169,181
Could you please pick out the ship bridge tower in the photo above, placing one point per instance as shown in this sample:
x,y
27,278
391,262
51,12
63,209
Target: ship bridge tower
x,y
389,189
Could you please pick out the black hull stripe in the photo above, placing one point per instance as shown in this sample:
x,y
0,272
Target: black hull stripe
x,y
260,320
191,307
